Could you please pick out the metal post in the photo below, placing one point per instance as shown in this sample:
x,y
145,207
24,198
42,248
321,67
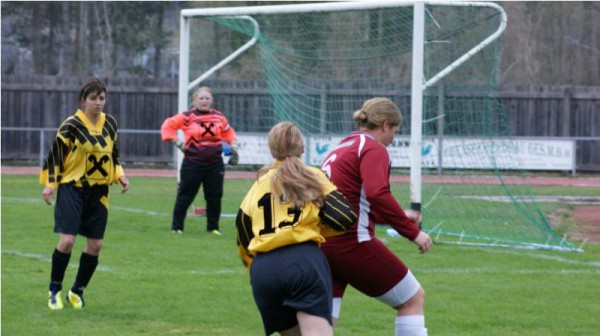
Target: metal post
x,y
42,141
440,125
182,101
416,114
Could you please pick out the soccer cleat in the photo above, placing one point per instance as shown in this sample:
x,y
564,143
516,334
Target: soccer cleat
x,y
177,231
75,300
216,232
54,300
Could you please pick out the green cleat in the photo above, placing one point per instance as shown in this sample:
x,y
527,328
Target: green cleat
x,y
216,232
54,300
177,231
75,300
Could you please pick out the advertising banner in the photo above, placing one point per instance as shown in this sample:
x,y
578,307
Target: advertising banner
x,y
464,153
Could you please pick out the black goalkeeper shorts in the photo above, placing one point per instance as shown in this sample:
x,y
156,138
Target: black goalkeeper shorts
x,y
288,280
81,210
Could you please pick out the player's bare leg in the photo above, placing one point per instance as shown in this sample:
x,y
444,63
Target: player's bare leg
x,y
295,331
410,319
65,243
311,325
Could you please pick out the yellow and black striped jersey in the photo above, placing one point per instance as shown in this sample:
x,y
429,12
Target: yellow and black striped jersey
x,y
83,154
264,223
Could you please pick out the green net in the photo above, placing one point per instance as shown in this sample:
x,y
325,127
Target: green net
x,y
317,68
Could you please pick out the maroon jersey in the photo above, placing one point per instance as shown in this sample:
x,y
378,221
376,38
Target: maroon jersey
x,y
360,168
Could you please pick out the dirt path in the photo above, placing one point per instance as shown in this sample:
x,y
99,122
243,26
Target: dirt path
x,y
587,219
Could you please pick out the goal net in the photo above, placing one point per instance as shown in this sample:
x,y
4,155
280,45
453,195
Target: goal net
x,y
315,64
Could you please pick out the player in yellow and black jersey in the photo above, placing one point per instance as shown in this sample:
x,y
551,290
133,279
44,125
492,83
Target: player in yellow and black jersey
x,y
82,163
283,219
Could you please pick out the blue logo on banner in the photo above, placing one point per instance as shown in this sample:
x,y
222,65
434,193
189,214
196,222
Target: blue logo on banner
x,y
426,150
322,149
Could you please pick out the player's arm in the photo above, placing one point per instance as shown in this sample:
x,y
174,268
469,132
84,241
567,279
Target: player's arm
x,y
168,129
228,134
385,208
119,172
53,167
336,212
243,223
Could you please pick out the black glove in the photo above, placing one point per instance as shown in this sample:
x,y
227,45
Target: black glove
x,y
234,158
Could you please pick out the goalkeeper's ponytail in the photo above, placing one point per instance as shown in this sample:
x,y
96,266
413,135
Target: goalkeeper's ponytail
x,y
292,181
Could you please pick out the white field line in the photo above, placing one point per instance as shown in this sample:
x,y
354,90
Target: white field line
x,y
577,200
134,210
219,271
226,271
9,199
139,211
240,270
555,258
49,259
492,271
108,269
154,213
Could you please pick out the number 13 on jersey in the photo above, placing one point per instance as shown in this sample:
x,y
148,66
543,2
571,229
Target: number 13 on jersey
x,y
276,215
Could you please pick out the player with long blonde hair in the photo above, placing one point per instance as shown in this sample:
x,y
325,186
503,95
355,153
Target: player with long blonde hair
x,y
283,219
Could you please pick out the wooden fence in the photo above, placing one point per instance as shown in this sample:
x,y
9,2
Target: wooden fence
x,y
140,106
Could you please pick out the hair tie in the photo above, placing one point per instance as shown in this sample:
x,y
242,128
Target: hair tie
x,y
85,91
363,114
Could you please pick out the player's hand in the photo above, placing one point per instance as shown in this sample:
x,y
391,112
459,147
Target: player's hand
x,y
179,144
234,158
48,194
423,241
124,183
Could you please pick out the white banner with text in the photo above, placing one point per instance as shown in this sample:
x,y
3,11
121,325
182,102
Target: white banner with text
x,y
465,153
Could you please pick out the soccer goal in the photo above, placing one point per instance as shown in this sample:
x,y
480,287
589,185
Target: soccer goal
x,y
316,63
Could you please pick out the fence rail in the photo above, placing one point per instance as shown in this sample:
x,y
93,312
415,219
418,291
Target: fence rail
x,y
140,106
166,158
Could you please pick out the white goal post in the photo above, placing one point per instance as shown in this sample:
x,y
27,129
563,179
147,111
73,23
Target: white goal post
x,y
419,83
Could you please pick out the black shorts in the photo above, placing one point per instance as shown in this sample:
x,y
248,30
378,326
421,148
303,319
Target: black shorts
x,y
81,210
288,280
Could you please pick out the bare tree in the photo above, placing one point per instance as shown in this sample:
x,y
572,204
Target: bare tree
x,y
104,27
158,47
37,42
81,51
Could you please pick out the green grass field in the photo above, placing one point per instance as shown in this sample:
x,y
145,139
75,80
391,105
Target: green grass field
x,y
150,282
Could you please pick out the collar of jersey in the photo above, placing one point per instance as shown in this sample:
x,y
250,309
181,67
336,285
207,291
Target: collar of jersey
x,y
359,132
87,121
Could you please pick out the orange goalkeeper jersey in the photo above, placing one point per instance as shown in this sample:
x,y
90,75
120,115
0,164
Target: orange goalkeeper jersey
x,y
203,132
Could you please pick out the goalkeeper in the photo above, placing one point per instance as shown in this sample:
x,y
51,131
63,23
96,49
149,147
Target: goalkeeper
x,y
281,223
204,129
